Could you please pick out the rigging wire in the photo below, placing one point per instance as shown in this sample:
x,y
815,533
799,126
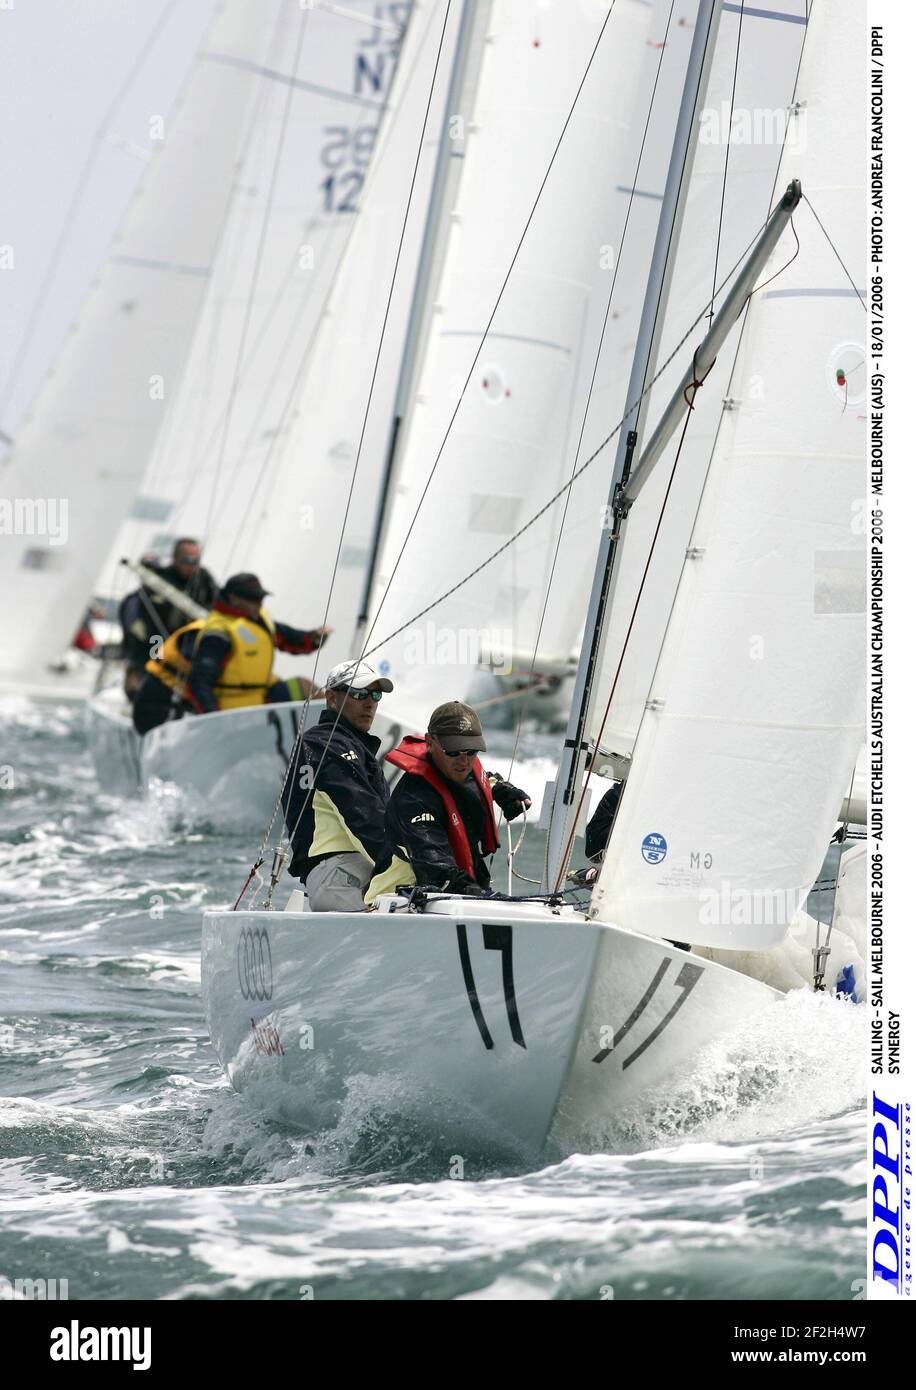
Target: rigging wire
x,y
728,146
835,252
776,275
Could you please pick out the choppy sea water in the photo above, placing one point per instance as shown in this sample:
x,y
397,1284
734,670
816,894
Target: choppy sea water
x,y
129,1167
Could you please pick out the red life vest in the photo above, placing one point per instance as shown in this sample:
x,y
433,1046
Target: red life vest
x,y
411,756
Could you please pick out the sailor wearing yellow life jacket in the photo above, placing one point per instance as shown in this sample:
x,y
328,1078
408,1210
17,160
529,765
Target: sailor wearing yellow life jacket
x,y
223,661
440,822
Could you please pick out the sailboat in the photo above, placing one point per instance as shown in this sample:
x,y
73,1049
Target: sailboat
x,y
85,443
264,329
530,1022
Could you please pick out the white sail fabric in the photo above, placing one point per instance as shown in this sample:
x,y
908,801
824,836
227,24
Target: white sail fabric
x,y
756,119
77,461
317,501
511,443
323,90
755,713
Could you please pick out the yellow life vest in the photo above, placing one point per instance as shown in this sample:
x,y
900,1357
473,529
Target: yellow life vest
x,y
247,674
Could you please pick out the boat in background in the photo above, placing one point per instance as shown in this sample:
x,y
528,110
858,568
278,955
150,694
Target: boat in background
x,y
229,766
86,442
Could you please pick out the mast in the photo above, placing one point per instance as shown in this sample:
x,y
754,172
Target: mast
x,y
572,762
473,13
753,716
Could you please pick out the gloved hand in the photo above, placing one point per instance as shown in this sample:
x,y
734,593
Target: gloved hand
x,y
510,800
319,636
585,878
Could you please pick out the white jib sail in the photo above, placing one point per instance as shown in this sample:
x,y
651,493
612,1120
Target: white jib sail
x,y
755,712
740,133
78,459
509,447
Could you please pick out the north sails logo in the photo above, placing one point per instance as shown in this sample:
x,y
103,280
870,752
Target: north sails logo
x,y
75,1343
654,848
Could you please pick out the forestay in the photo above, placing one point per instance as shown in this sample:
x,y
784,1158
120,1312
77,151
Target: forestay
x,y
755,712
79,457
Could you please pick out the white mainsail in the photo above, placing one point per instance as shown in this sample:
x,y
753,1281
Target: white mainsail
x,y
511,440
739,145
755,711
324,89
323,493
77,461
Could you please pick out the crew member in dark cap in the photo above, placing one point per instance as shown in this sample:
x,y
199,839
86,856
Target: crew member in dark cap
x,y
335,801
144,615
440,825
223,661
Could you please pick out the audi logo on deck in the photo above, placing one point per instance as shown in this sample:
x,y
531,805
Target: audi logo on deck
x,y
256,976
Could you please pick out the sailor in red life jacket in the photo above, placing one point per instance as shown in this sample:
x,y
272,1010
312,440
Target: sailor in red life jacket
x,y
440,823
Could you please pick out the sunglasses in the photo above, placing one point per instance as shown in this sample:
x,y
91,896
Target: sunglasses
x,y
459,752
375,695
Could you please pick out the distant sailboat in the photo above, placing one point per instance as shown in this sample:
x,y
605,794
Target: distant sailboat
x,y
533,1022
85,445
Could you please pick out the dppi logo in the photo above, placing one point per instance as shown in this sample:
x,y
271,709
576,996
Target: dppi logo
x,y
654,848
256,978
886,1195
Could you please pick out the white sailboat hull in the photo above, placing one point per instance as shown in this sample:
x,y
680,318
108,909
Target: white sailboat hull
x,y
69,683
486,1026
229,763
